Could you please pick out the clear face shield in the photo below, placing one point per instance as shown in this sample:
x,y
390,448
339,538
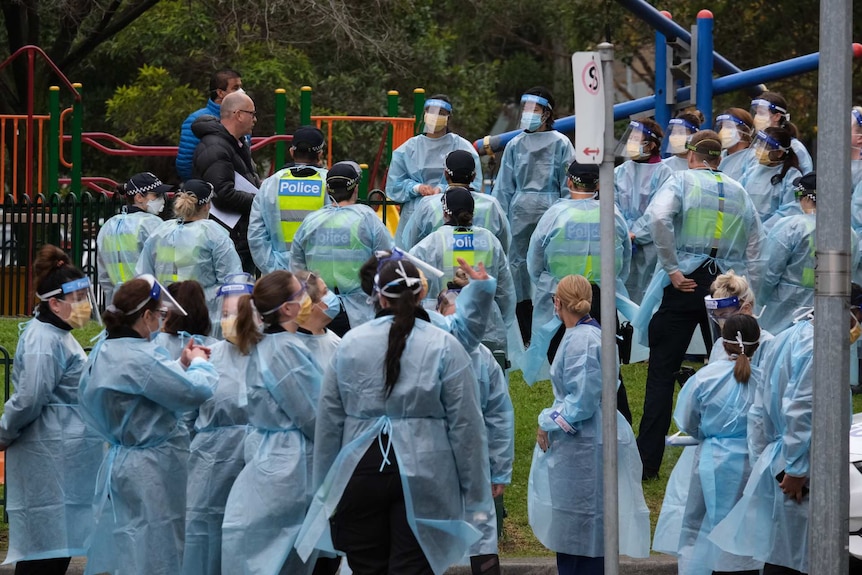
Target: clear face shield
x,y
762,112
160,293
856,133
77,302
533,112
767,149
436,116
636,142
719,309
229,295
731,130
676,137
326,305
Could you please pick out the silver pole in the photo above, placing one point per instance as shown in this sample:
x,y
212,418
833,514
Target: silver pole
x,y
609,322
830,498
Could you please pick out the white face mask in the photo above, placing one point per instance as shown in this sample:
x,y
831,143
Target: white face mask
x,y
729,137
762,121
677,143
156,206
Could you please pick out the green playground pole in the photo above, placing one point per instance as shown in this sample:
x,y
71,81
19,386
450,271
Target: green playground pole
x,y
305,106
418,108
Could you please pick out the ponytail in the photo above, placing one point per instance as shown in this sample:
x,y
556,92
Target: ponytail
x,y
740,335
51,269
399,282
247,333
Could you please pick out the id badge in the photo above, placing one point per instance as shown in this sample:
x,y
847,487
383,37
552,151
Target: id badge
x,y
558,418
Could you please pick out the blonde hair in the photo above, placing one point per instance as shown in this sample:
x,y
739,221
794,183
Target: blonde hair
x,y
575,294
185,205
729,284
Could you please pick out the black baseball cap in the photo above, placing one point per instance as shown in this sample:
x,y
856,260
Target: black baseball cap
x,y
584,175
343,175
457,200
201,189
460,164
145,183
308,139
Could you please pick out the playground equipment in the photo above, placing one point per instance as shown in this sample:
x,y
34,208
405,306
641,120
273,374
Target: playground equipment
x,y
703,86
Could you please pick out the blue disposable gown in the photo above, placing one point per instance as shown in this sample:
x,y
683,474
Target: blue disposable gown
x,y
335,241
174,344
787,280
321,346
635,184
132,395
565,501
567,241
856,207
119,244
428,217
765,523
499,416
718,351
436,250
773,201
200,250
270,496
434,420
421,160
683,219
735,164
806,164
676,163
216,457
531,178
51,458
712,407
269,250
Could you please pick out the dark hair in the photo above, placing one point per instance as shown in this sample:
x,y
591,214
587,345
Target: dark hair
x,y
306,156
404,320
219,79
791,160
463,219
443,97
746,326
127,297
190,295
367,272
693,116
651,125
51,269
343,194
708,146
269,291
543,92
743,115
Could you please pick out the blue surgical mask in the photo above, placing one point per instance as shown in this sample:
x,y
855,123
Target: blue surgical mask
x,y
531,121
332,303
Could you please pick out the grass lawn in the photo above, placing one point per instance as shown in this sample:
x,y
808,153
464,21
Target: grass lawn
x,y
518,539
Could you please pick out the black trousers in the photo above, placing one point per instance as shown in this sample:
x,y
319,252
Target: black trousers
x,y
56,566
596,314
770,569
670,332
370,524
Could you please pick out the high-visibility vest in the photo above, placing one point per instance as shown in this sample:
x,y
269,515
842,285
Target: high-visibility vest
x,y
576,249
335,252
120,248
709,224
473,246
298,197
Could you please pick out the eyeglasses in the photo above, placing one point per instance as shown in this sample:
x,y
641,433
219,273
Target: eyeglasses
x,y
252,112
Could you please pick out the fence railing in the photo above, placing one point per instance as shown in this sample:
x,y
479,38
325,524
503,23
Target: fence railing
x,y
72,223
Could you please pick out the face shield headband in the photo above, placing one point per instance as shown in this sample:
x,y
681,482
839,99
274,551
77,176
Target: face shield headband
x,y
532,98
67,288
769,142
158,293
441,104
856,116
760,102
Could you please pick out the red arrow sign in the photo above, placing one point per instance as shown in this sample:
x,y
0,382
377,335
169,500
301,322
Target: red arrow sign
x,y
591,152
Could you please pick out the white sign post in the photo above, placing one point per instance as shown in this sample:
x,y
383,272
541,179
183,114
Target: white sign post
x,y
589,108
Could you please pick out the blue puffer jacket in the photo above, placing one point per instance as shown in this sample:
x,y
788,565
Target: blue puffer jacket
x,y
188,141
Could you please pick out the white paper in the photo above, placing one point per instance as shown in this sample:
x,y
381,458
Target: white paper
x,y
230,219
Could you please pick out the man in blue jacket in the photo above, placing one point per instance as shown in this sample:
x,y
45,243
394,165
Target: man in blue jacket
x,y
222,83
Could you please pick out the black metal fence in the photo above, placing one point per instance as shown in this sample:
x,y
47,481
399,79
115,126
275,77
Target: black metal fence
x,y
27,224
66,221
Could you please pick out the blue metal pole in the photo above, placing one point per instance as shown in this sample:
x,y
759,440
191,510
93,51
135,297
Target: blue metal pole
x,y
662,108
768,73
704,64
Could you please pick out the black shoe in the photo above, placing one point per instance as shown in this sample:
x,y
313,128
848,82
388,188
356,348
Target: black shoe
x,y
649,475
683,374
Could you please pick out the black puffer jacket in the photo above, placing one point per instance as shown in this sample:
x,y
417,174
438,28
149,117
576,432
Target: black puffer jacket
x,y
217,157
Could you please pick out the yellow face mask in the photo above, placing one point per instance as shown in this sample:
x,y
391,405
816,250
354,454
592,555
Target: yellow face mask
x,y
635,149
80,315
305,308
729,137
228,328
677,143
762,121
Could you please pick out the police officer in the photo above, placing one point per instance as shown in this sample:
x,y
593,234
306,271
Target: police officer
x,y
459,238
335,241
285,199
702,223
